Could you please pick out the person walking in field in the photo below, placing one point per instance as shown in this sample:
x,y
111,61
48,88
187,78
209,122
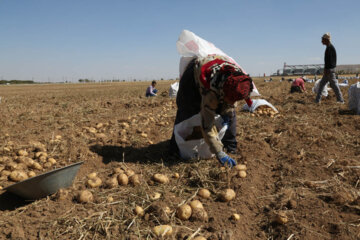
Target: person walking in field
x,y
298,85
329,70
211,85
151,90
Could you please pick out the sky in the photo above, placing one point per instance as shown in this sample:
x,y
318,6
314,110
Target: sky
x,y
67,40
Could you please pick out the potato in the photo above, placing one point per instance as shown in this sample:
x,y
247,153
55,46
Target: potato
x,y
144,135
199,238
281,217
160,178
196,204
39,154
227,195
29,162
184,212
92,175
241,167
134,179
118,170
42,159
31,174
155,196
47,165
22,153
235,216
37,166
163,230
123,179
204,193
94,182
62,194
1,188
242,174
129,172
176,175
139,211
109,199
18,176
112,182
199,214
99,125
5,173
52,161
85,196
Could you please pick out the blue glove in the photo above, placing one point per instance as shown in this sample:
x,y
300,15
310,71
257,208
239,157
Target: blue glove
x,y
225,160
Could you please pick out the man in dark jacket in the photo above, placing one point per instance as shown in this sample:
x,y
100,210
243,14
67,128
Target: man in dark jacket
x,y
329,71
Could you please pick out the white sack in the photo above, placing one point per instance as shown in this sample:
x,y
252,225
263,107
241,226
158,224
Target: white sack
x,y
315,89
189,45
354,97
257,103
173,90
196,148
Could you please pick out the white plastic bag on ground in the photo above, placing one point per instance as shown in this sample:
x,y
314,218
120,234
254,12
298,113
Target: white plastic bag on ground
x,y
174,88
189,45
256,103
345,83
196,148
315,89
354,97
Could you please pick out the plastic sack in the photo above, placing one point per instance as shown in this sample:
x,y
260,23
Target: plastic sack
x,y
315,89
189,45
196,148
345,83
354,97
173,90
257,103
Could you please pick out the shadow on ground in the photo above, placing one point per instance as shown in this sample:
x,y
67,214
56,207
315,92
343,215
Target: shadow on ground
x,y
10,202
155,153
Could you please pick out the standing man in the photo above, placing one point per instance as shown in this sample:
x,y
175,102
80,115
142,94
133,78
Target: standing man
x,y
329,71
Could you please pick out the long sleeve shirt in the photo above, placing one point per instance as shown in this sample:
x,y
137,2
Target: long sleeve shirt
x,y
150,91
330,57
299,82
211,105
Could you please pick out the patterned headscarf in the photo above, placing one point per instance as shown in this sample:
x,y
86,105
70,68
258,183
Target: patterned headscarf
x,y
237,86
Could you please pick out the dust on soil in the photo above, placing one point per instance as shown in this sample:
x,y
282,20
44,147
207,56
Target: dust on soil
x,y
303,163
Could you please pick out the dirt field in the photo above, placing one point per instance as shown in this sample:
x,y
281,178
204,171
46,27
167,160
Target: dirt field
x,y
302,166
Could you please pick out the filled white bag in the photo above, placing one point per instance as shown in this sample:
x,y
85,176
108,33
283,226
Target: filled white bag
x,y
256,103
189,45
196,148
354,97
174,88
315,89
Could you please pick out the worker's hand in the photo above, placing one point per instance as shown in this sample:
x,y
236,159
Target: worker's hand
x,y
225,160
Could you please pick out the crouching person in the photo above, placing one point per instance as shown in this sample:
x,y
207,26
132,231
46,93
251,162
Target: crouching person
x,y
298,85
212,86
151,90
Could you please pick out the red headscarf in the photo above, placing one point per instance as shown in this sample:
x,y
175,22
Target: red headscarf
x,y
237,87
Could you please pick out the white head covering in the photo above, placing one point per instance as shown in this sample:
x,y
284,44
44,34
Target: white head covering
x,y
327,36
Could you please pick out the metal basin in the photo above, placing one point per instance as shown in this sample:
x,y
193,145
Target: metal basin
x,y
45,184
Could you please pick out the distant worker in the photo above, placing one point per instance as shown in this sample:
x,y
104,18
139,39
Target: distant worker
x,y
151,90
329,70
298,85
211,85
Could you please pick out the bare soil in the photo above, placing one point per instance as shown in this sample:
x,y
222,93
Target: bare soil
x,y
303,164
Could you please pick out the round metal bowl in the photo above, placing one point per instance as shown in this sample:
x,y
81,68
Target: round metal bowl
x,y
45,184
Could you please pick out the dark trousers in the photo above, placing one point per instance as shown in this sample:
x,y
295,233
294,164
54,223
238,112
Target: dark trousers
x,y
188,101
295,89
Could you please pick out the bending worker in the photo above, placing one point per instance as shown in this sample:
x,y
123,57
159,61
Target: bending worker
x,y
298,85
211,86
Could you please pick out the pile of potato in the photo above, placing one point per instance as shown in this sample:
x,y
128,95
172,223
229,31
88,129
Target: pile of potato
x,y
264,110
22,164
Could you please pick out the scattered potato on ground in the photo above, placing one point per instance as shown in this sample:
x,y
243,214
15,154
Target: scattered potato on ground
x,y
123,179
94,182
227,195
139,211
161,178
112,182
163,230
184,212
204,193
85,196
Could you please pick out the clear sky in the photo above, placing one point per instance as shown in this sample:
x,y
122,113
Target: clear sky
x,y
57,40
